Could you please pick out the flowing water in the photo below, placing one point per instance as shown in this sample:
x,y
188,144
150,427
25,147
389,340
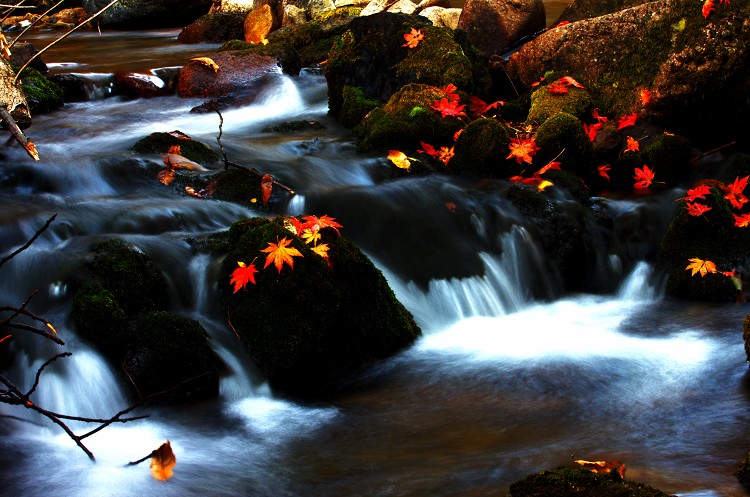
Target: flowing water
x,y
506,380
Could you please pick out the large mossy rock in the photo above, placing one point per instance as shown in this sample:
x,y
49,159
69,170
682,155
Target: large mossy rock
x,y
119,308
481,150
567,482
42,94
711,236
370,55
405,120
695,67
561,138
309,327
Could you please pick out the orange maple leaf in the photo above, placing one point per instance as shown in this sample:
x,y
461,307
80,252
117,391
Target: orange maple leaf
x,y
633,145
626,121
321,250
280,253
413,38
742,221
643,177
445,154
448,108
700,266
166,176
708,7
602,170
696,209
522,149
243,275
645,96
550,166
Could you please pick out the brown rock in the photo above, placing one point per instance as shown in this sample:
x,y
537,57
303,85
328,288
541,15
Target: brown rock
x,y
494,25
214,28
137,85
258,23
586,9
236,73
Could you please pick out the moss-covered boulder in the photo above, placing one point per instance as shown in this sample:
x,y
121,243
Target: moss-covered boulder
x,y
371,56
355,106
131,277
120,309
546,101
405,120
711,236
694,66
42,94
310,326
169,350
562,138
482,148
161,142
567,482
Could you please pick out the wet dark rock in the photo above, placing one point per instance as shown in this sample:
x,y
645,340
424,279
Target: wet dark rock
x,y
160,143
140,14
743,473
566,482
84,87
22,52
139,85
237,71
294,127
309,328
493,26
288,58
214,28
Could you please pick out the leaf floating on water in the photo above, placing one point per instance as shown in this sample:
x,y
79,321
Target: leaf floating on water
x,y
162,462
208,62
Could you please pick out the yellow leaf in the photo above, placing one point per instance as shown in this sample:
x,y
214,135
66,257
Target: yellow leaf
x,y
280,253
321,250
700,266
311,236
162,462
208,62
399,159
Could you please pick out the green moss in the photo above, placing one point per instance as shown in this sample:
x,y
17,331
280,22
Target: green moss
x,y
355,106
405,120
481,149
98,316
545,104
561,137
131,277
310,326
711,236
438,60
566,482
670,155
171,349
530,201
239,186
159,143
294,127
42,94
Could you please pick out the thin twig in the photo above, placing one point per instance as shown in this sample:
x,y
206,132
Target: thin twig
x,y
34,23
712,151
218,138
71,31
133,463
41,368
28,243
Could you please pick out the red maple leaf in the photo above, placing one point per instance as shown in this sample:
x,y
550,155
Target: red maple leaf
x,y
708,7
557,88
450,92
602,170
742,221
522,149
696,209
569,81
626,121
734,192
696,193
592,130
449,108
633,145
478,106
243,275
266,185
601,119
551,166
315,223
428,149
643,177
413,38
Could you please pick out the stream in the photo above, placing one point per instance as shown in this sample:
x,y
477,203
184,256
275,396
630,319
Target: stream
x,y
504,381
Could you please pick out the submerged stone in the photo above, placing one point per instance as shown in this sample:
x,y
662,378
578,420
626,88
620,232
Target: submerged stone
x,y
161,142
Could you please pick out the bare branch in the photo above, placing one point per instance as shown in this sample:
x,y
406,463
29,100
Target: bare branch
x,y
20,35
41,368
71,31
31,240
21,138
